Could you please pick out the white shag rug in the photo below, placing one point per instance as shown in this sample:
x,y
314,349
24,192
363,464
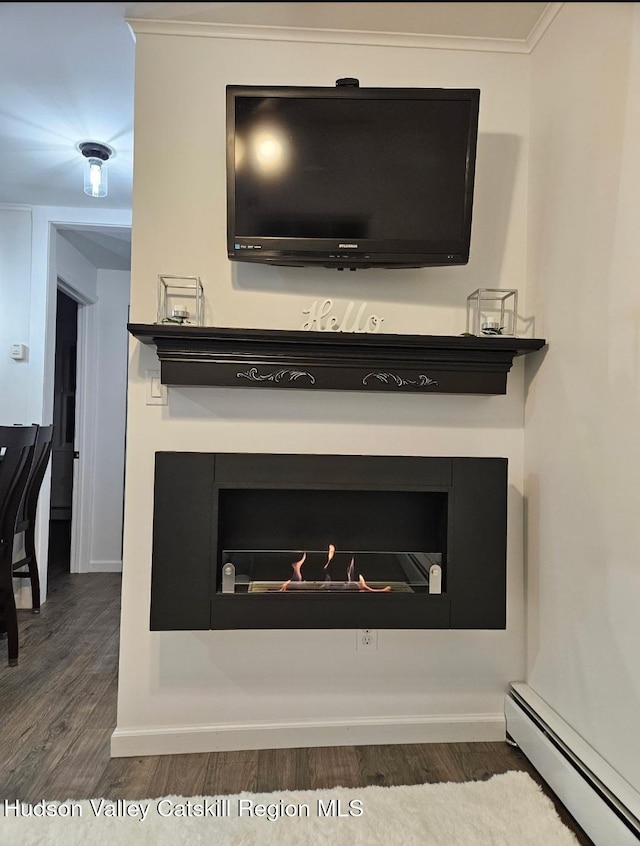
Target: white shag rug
x,y
506,810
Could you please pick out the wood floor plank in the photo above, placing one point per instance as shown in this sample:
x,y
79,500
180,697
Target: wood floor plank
x,y
432,762
474,761
283,769
385,766
231,772
334,766
180,775
29,773
126,778
74,774
104,712
66,704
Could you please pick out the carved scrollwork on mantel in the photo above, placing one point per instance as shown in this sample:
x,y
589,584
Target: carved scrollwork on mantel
x,y
277,376
389,378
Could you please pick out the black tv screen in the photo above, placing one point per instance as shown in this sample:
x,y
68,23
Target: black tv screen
x,y
349,176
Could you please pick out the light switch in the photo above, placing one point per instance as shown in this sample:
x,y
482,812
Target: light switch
x,y
156,392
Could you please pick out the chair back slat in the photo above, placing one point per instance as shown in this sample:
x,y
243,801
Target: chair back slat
x,y
16,453
16,445
39,461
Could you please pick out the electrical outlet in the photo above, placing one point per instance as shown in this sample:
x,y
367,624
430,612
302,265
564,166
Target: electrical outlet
x,y
367,640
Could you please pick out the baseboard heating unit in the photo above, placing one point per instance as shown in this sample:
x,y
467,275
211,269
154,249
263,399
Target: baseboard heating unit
x,y
604,804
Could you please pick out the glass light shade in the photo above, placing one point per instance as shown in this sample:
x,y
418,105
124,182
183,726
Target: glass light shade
x,y
95,177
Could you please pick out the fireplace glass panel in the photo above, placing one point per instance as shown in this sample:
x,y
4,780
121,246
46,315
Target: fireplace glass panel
x,y
331,541
327,571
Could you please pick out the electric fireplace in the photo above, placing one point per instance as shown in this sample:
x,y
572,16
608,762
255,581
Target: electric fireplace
x,y
257,541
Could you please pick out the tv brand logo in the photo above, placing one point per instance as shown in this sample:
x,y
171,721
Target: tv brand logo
x,y
347,246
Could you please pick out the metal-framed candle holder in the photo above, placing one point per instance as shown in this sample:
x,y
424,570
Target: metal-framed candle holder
x,y
180,300
492,311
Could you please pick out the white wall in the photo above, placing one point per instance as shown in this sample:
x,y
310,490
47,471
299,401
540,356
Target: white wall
x,y
181,691
582,409
75,272
110,417
28,282
15,295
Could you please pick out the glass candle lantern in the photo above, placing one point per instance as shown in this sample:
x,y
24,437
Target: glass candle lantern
x,y
180,300
492,311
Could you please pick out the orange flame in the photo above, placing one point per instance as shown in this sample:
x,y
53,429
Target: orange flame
x,y
297,567
297,573
332,552
364,586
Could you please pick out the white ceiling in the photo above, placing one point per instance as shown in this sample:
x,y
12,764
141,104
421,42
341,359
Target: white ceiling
x,y
67,75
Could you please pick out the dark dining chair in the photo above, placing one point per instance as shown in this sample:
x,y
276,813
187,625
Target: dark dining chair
x,y
16,452
26,566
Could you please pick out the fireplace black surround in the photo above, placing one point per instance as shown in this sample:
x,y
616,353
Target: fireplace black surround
x,y
328,541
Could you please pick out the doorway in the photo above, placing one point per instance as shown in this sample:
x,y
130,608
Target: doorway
x,y
64,420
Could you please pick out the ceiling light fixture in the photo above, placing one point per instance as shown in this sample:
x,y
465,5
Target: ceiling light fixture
x,y
95,172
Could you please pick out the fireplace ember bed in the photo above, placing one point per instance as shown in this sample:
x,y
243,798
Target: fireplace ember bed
x,y
262,541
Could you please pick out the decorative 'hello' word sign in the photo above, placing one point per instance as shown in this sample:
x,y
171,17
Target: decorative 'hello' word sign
x,y
321,319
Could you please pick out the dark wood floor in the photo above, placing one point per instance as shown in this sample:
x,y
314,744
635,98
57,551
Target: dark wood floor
x,y
58,709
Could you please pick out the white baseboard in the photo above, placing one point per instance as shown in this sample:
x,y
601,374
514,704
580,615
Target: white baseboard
x,y
178,740
604,804
22,593
105,567
21,587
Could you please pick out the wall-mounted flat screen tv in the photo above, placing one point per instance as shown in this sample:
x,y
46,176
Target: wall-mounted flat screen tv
x,y
350,177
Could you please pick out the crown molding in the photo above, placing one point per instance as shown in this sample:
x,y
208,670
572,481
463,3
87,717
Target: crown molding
x,y
200,29
543,24
15,207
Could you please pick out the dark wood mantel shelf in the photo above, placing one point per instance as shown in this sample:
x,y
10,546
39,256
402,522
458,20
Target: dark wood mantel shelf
x,y
276,358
